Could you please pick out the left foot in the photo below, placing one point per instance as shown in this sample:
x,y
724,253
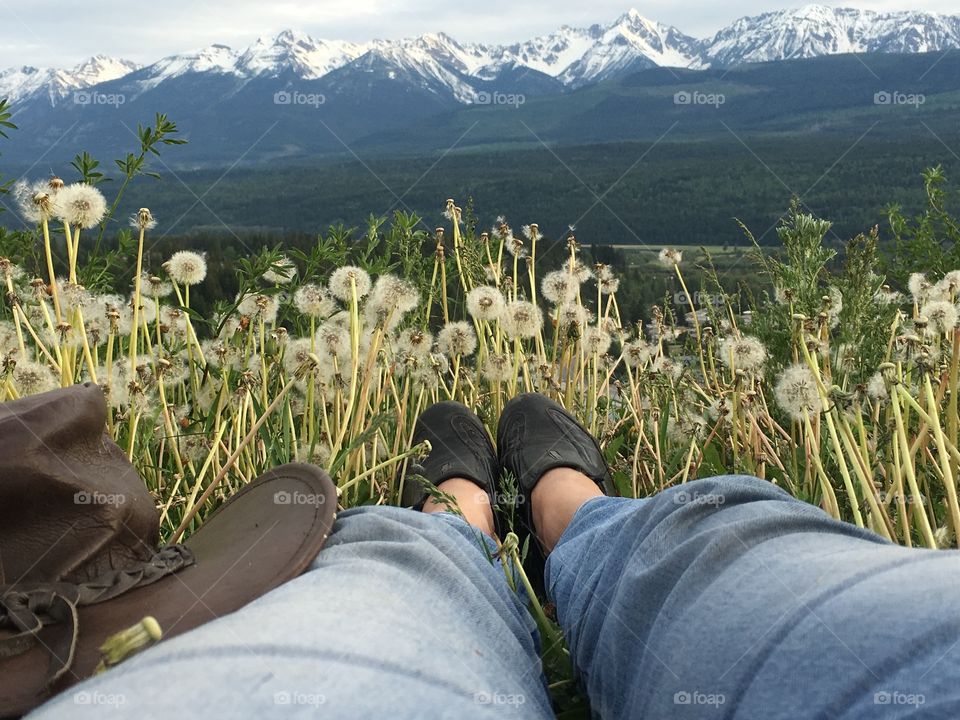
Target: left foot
x,y
462,463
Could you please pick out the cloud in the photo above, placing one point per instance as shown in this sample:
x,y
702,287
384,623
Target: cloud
x,y
61,33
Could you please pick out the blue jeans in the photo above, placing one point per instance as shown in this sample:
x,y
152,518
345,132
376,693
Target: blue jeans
x,y
725,597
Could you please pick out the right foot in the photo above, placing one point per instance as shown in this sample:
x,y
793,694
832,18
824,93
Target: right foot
x,y
540,441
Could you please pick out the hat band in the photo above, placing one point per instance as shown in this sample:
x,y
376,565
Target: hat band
x,y
30,607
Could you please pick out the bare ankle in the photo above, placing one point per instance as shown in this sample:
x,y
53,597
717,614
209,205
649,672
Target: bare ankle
x,y
555,500
472,501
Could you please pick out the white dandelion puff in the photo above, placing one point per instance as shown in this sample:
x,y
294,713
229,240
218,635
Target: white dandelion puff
x,y
344,279
30,378
485,303
796,392
282,272
143,219
187,267
941,317
877,387
742,353
521,319
81,205
596,341
669,257
414,342
334,340
35,200
637,353
496,368
314,301
572,315
457,338
919,286
559,287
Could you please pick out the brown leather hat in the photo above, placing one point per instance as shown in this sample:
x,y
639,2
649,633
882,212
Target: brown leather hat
x,y
78,545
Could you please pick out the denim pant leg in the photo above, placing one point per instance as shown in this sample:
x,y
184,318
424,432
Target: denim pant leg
x,y
401,615
726,597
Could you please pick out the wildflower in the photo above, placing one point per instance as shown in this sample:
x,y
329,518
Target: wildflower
x,y
572,315
559,287
833,301
941,317
414,342
297,356
665,366
742,353
343,280
36,201
609,283
531,232
30,378
392,297
688,427
457,338
154,286
260,306
218,353
314,301
187,268
596,341
80,204
521,319
9,271
485,303
496,368
143,220
877,387
796,392
919,286
319,455
950,285
283,271
581,272
782,296
173,321
670,258
334,340
636,353
516,247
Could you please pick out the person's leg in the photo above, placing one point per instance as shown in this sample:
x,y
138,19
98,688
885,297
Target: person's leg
x,y
402,615
726,597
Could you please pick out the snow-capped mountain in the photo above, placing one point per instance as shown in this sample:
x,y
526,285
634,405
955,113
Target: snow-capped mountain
x,y
815,30
573,57
53,85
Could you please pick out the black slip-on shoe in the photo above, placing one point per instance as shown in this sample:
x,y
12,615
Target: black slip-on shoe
x,y
460,448
535,435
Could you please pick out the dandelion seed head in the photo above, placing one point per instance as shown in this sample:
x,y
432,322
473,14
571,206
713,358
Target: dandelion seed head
x,y
259,306
314,301
919,286
496,368
941,317
637,353
173,322
485,303
35,200
663,365
596,341
296,356
187,267
333,340
80,205
414,342
877,387
143,220
687,428
282,272
521,319
343,280
742,353
392,296
30,378
559,287
885,296
572,314
669,257
796,392
457,338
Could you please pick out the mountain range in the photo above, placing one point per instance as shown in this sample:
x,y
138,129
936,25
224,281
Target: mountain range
x,y
310,96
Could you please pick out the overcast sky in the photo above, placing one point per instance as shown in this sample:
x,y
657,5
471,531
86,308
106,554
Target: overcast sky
x,y
61,33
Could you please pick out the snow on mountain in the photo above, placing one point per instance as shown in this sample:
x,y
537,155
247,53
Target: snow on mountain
x,y
814,30
572,56
24,82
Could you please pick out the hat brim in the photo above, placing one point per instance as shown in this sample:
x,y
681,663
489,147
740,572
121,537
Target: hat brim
x,y
266,534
